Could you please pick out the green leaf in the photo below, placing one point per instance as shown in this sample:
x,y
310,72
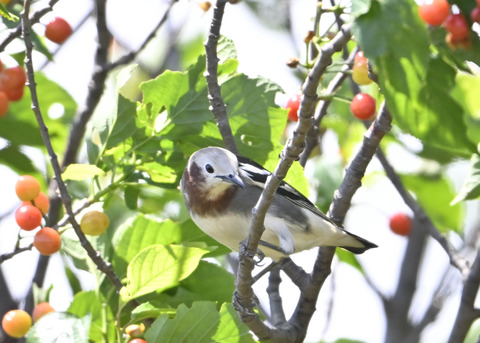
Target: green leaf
x,y
80,172
7,15
72,248
349,258
58,108
39,45
471,187
210,282
197,324
59,324
435,194
124,125
465,95
231,329
159,267
13,157
148,310
91,304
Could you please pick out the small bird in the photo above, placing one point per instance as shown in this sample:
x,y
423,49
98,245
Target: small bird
x,y
220,189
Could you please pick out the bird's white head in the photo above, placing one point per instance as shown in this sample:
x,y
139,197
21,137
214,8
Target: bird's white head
x,y
213,170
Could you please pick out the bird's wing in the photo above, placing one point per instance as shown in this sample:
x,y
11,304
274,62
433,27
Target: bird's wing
x,y
258,175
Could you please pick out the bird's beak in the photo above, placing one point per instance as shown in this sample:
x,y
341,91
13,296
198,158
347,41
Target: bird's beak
x,y
233,178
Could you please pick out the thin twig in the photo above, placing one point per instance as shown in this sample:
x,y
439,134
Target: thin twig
x,y
16,32
455,259
217,105
67,202
133,54
17,251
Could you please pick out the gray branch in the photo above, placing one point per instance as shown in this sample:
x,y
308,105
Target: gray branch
x,y
294,330
217,105
103,266
467,313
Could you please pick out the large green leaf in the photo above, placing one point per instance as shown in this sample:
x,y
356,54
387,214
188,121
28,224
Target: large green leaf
x,y
60,324
159,267
102,320
465,92
231,329
196,324
143,231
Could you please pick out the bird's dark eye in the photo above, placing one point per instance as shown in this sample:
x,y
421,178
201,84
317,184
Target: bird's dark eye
x,y
209,168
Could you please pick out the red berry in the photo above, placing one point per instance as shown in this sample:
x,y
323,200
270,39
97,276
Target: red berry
x,y
293,104
475,14
401,224
363,106
12,82
456,24
28,217
27,188
58,30
16,323
434,12
40,310
3,104
47,241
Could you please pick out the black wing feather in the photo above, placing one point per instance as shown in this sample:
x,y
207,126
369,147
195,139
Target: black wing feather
x,y
284,189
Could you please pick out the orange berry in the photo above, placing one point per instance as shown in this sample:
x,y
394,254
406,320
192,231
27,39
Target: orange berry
x,y
40,310
27,187
16,323
47,241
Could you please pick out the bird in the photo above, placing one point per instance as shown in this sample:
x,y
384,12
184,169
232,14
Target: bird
x,y
220,190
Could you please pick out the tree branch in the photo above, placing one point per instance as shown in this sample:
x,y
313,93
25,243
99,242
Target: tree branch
x,y
467,312
322,107
338,209
96,87
275,300
397,307
94,255
217,105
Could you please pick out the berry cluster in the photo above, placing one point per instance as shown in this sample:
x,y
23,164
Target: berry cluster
x,y
12,86
29,215
363,106
437,12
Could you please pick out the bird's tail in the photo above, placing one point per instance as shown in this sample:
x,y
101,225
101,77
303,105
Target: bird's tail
x,y
359,250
